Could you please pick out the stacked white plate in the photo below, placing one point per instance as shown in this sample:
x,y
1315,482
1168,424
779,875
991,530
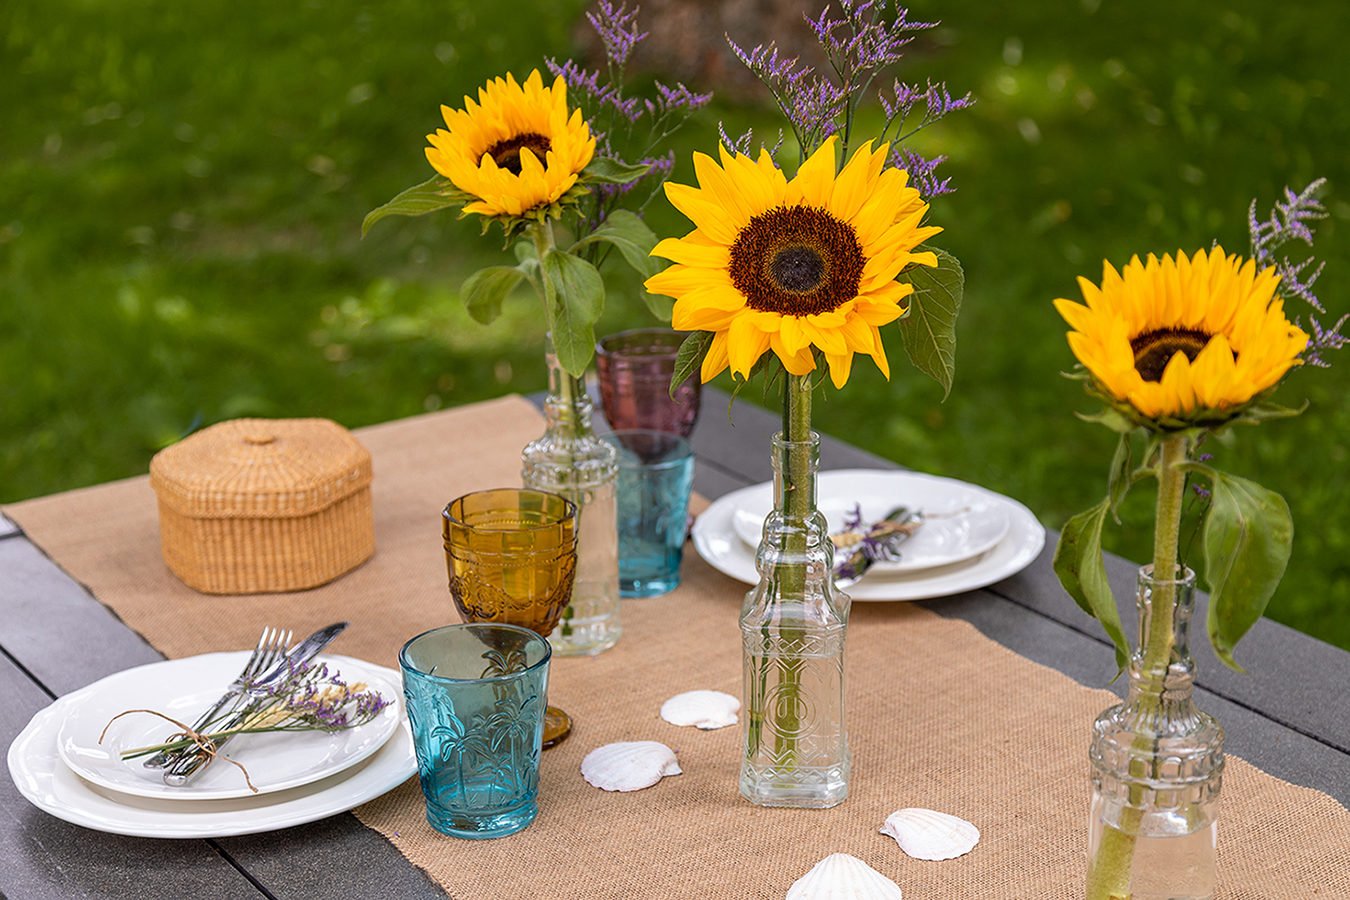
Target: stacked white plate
x,y
970,537
65,763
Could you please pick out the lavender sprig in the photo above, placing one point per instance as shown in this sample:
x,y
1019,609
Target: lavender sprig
x,y
858,45
1290,221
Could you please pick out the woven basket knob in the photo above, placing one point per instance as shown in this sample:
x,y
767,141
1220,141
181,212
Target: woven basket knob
x,y
260,437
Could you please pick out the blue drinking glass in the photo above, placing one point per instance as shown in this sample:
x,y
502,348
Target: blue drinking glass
x,y
476,695
656,475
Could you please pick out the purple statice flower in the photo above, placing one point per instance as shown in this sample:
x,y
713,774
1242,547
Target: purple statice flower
x,y
921,172
863,38
676,99
1291,221
618,30
812,104
744,144
626,128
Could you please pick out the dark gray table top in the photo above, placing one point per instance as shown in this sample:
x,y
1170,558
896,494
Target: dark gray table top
x,y
1290,715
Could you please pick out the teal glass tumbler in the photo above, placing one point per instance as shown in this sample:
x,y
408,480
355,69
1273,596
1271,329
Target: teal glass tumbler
x,y
656,476
476,695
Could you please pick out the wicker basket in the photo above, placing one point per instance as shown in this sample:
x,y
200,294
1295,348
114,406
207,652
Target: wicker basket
x,y
262,505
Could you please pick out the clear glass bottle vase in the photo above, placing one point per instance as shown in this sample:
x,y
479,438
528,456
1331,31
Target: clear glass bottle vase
x,y
793,625
1157,765
570,460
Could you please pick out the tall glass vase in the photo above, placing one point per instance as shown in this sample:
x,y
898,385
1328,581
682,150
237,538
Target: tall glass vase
x,y
570,460
793,625
1157,765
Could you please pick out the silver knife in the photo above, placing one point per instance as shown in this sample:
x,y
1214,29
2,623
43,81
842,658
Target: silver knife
x,y
177,773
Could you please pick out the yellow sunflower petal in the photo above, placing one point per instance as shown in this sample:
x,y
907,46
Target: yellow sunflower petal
x,y
814,181
840,367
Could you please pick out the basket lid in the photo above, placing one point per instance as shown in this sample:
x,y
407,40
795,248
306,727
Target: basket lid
x,y
260,468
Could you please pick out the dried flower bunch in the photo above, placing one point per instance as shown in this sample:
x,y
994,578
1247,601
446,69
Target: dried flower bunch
x,y
311,697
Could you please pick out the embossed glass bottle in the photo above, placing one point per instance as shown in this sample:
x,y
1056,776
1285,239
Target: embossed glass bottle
x,y
793,625
1157,765
570,460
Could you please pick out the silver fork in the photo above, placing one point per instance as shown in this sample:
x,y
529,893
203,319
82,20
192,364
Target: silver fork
x,y
271,648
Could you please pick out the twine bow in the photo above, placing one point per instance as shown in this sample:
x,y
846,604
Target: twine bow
x,y
203,742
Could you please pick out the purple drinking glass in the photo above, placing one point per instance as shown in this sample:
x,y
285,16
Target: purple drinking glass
x,y
635,369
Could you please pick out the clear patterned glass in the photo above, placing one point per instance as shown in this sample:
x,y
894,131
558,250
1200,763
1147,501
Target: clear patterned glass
x,y
570,460
476,696
793,625
1157,766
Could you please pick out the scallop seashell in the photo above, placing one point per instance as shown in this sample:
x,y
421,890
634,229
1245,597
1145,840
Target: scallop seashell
x,y
702,709
843,877
928,834
629,765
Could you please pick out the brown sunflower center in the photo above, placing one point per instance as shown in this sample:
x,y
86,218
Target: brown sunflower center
x,y
506,154
1153,350
797,261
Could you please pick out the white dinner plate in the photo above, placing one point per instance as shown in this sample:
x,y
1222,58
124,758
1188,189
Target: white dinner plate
x,y
183,689
37,770
716,540
960,523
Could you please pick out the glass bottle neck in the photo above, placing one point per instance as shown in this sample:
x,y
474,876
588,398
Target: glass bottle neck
x,y
568,406
1164,673
795,467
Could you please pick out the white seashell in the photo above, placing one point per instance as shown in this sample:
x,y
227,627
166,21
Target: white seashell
x,y
702,709
629,765
928,834
843,877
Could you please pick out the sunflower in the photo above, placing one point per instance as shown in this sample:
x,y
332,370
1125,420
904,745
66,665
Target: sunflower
x,y
793,265
1184,339
517,149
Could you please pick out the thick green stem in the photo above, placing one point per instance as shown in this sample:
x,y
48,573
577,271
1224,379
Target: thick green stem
x,y
798,505
1109,869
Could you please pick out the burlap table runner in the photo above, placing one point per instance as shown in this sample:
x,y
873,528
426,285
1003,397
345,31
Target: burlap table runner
x,y
939,716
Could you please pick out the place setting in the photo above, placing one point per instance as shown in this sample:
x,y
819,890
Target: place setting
x,y
952,536
309,736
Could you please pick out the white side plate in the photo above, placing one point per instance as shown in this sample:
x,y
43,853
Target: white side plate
x,y
716,540
182,689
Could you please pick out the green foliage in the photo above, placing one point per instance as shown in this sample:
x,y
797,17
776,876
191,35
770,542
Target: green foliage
x,y
1078,563
1248,536
929,327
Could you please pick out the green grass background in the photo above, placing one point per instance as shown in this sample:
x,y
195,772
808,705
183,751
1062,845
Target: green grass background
x,y
182,185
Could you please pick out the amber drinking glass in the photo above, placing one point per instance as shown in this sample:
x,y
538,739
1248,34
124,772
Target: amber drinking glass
x,y
512,556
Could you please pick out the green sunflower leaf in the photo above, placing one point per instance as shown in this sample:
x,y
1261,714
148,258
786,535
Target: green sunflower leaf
x,y
929,330
1079,565
1248,536
485,290
630,236
608,170
431,195
1122,472
690,357
581,299
1109,417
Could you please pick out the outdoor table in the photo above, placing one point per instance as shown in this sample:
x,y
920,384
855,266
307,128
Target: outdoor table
x,y
1289,716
